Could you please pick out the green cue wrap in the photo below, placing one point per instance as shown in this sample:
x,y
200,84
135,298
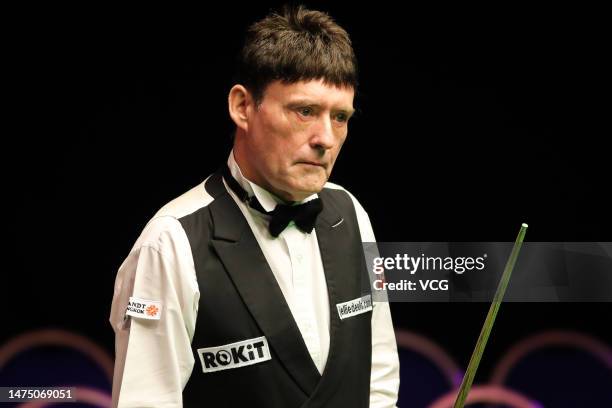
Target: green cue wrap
x,y
470,373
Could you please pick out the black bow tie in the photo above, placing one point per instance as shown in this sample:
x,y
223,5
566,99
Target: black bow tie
x,y
303,215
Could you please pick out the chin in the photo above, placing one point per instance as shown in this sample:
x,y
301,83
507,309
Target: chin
x,y
311,188
304,185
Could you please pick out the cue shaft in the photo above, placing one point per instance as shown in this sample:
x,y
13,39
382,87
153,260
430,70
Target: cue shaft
x,y
470,373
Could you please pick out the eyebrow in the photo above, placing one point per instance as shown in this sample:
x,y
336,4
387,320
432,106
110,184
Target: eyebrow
x,y
307,102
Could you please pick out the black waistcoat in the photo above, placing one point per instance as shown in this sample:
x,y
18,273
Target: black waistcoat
x,y
240,299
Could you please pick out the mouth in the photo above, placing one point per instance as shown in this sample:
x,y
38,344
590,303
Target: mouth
x,y
313,163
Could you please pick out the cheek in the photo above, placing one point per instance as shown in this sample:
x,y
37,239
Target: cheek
x,y
276,140
341,137
266,129
277,126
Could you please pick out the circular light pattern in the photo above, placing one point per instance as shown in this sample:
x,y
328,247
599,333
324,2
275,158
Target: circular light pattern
x,y
546,339
487,393
433,352
56,337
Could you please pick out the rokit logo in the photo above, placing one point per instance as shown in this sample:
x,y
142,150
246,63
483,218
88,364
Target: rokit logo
x,y
234,355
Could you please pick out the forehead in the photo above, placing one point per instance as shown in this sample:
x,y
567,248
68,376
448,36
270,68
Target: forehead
x,y
313,92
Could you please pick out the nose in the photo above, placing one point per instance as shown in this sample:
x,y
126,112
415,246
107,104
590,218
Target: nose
x,y
323,137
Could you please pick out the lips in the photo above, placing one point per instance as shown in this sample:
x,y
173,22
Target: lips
x,y
312,163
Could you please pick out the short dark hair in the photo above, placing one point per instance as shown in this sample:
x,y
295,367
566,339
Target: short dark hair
x,y
296,45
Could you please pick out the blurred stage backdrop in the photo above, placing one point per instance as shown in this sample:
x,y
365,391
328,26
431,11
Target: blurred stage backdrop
x,y
471,120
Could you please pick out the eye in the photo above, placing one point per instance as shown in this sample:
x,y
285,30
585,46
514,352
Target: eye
x,y
305,111
342,117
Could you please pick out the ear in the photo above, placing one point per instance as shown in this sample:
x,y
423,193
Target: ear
x,y
239,102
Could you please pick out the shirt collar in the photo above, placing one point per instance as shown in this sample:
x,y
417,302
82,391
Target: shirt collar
x,y
267,200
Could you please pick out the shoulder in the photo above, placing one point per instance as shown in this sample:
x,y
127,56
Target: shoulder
x,y
336,188
187,203
367,234
164,228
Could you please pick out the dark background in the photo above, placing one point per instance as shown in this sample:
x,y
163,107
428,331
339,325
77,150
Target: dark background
x,y
470,121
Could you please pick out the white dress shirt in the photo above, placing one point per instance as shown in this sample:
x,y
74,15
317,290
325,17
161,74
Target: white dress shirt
x,y
154,359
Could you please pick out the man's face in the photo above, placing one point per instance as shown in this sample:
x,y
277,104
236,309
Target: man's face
x,y
295,134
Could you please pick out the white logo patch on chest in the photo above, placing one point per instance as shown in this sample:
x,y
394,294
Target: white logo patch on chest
x,y
354,307
234,355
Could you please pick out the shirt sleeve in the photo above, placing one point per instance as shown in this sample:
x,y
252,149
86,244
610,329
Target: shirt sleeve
x,y
385,379
154,359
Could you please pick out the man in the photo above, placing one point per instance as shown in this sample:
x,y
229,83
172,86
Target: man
x,y
251,289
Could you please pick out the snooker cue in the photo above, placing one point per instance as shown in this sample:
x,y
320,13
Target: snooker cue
x,y
470,373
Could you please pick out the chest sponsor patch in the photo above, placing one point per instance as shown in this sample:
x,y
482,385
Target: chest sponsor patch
x,y
234,355
354,307
144,309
